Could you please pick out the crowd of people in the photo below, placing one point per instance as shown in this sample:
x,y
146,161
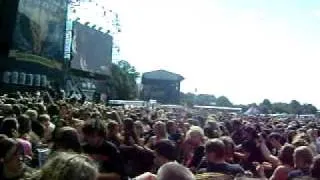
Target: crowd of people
x,y
53,138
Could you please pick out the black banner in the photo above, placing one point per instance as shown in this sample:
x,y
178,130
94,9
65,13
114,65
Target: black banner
x,y
91,50
39,31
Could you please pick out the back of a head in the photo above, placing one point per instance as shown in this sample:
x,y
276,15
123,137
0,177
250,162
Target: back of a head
x,y
8,126
6,145
305,154
67,138
167,149
93,126
66,166
33,114
315,168
24,124
174,171
7,110
286,154
195,131
53,110
216,146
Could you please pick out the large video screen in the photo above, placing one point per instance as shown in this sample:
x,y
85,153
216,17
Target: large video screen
x,y
39,31
91,50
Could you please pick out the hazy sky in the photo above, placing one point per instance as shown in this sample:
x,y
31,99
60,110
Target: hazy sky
x,y
247,50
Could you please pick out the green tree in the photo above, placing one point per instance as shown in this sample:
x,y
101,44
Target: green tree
x,y
295,107
280,108
123,81
205,99
223,101
265,107
308,109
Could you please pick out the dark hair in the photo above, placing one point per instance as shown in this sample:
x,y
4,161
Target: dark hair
x,y
16,109
40,108
286,154
278,137
5,145
94,126
37,128
111,126
215,146
8,126
291,135
67,138
167,149
209,132
53,110
129,132
24,124
76,114
315,168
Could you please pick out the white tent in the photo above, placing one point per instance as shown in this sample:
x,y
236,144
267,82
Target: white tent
x,y
252,111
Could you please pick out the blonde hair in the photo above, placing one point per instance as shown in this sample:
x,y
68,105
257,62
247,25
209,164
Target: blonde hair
x,y
195,131
33,114
161,126
68,166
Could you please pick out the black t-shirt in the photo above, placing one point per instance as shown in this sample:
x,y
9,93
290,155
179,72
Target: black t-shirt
x,y
225,168
108,157
197,157
175,137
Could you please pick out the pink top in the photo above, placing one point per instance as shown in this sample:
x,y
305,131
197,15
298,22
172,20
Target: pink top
x,y
27,147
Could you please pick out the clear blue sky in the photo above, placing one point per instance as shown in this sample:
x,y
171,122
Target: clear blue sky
x,y
247,50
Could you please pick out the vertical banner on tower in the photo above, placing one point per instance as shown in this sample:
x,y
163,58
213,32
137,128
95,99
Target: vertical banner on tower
x,y
68,38
40,31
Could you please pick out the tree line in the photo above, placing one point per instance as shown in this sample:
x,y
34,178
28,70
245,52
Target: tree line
x,y
265,107
123,85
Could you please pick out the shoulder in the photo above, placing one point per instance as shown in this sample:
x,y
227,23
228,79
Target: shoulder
x,y
282,168
109,146
24,142
295,173
235,167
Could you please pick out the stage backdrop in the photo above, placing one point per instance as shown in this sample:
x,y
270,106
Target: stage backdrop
x,y
40,31
91,50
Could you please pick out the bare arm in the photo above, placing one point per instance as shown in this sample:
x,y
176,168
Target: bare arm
x,y
268,156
